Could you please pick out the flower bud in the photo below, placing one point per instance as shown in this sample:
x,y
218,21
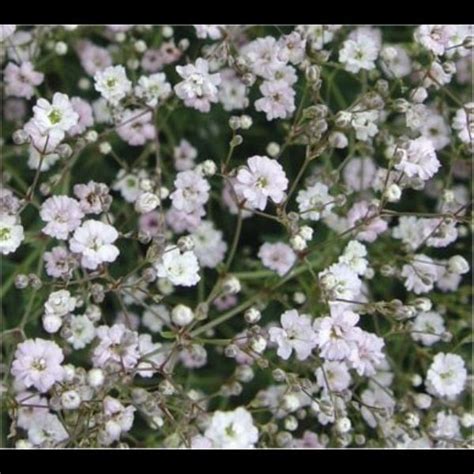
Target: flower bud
x,y
182,315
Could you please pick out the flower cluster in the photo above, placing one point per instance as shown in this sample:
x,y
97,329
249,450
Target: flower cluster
x,y
237,236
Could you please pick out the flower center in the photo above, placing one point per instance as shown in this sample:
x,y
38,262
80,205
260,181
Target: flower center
x,y
4,233
55,116
39,364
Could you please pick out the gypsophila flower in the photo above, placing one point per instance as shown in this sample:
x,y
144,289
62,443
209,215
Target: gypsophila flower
x,y
419,159
21,80
59,115
93,241
333,375
428,327
37,364
278,257
153,89
420,274
116,344
446,376
277,101
191,193
11,234
261,179
180,268
62,214
209,246
315,202
232,430
295,334
112,83
198,88
360,53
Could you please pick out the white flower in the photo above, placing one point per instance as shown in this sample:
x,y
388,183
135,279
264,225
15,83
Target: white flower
x,y
420,274
47,431
62,214
419,159
93,240
198,88
315,202
333,375
261,179
359,53
118,420
446,426
147,202
435,38
336,334
354,256
368,354
37,363
192,191
155,317
153,89
11,234
112,83
277,256
364,124
209,246
446,376
464,123
82,332
278,100
117,344
180,268
60,303
428,327
58,115
340,282
458,264
232,430
295,334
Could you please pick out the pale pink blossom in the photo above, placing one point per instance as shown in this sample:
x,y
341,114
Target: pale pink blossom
x,y
261,179
62,214
278,257
37,364
20,81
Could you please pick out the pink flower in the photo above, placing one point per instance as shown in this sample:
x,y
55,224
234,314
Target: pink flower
x,y
136,131
181,221
38,363
419,159
149,223
336,334
63,215
184,155
43,142
278,257
20,81
59,263
359,173
368,354
278,100
93,58
295,334
86,118
261,179
374,226
94,198
198,88
191,193
116,344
